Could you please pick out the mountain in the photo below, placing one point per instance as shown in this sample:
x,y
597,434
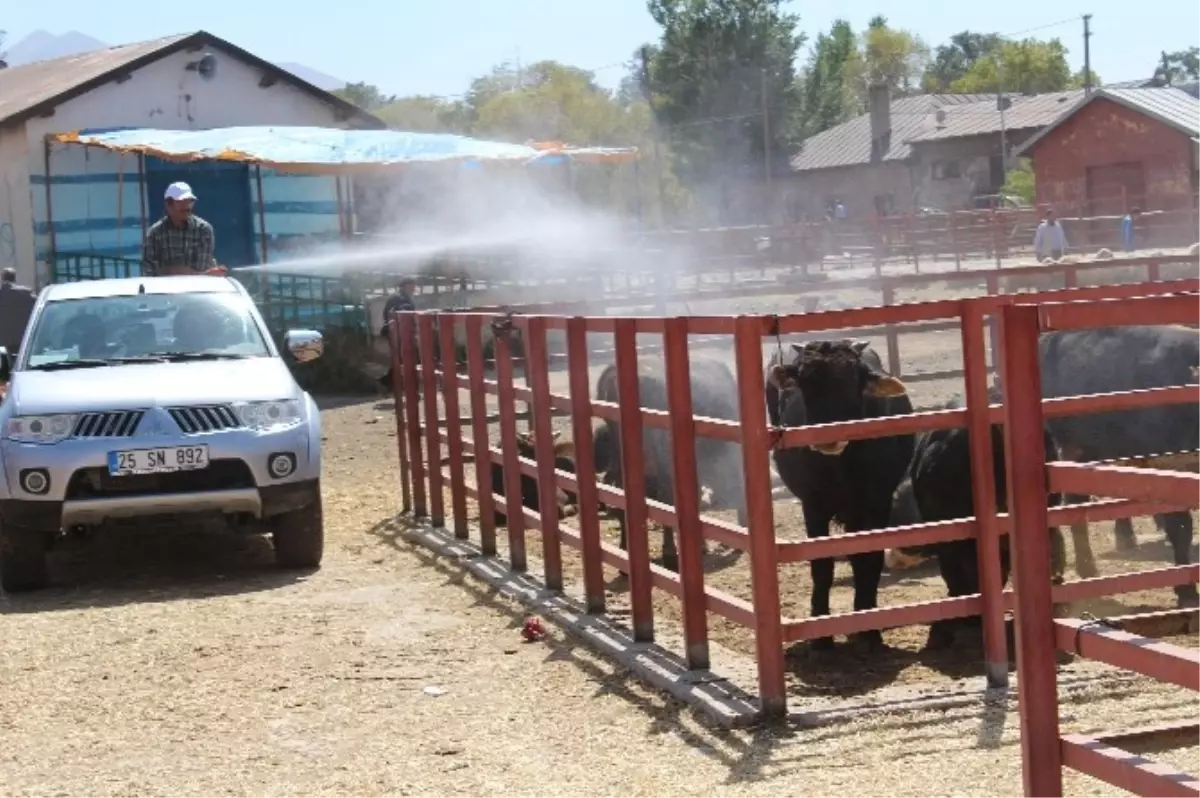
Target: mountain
x,y
313,76
42,46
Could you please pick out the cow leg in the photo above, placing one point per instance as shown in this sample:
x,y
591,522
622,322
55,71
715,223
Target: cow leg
x,y
950,557
1085,561
664,492
1058,556
1180,533
822,576
867,568
1123,532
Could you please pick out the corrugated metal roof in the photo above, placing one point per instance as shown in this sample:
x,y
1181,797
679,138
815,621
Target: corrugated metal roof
x,y
32,88
983,118
1172,106
23,88
1169,105
849,144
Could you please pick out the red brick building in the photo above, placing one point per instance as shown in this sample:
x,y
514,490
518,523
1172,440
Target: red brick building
x,y
1117,148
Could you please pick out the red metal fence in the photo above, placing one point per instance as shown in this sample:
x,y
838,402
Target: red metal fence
x,y
1040,635
422,442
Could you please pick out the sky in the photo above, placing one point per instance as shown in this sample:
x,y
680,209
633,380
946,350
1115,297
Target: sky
x,y
438,46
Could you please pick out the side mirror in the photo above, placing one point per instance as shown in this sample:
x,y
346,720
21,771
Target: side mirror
x,y
6,364
304,345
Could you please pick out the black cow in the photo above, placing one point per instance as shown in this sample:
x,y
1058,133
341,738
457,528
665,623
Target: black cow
x,y
719,463
850,483
1110,359
937,487
564,460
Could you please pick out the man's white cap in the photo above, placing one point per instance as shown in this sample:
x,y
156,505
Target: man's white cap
x,y
179,191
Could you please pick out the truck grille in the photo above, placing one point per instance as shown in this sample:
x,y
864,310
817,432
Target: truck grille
x,y
204,418
113,424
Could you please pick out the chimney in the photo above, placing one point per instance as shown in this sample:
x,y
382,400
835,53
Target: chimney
x,y
879,106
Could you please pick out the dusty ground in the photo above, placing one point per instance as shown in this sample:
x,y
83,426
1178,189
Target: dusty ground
x,y
184,664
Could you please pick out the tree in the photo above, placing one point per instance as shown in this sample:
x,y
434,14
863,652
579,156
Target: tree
x,y
952,61
707,78
892,57
364,95
1019,182
1029,66
829,96
1178,66
421,114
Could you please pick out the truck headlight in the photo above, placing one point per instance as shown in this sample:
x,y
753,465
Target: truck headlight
x,y
40,429
268,415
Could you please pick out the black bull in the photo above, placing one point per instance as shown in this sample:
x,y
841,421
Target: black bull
x,y
1113,359
719,463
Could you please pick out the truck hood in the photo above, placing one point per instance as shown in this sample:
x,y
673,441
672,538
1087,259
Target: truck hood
x,y
134,386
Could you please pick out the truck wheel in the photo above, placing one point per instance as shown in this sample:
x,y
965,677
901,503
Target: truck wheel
x,y
22,558
299,535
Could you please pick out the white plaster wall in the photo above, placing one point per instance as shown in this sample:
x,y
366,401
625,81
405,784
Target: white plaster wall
x,y
160,95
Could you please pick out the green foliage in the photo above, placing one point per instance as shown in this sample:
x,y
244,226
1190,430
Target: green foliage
x,y
1019,182
364,95
707,75
1029,66
829,94
953,60
1179,66
892,57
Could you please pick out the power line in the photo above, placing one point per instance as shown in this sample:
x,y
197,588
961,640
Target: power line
x,y
1075,18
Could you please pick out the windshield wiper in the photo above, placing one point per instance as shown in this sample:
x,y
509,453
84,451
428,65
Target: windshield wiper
x,y
63,365
177,357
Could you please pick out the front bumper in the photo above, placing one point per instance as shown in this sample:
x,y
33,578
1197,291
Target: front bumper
x,y
80,491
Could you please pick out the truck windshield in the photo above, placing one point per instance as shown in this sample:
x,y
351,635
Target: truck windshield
x,y
144,328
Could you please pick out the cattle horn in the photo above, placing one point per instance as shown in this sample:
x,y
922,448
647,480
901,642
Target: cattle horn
x,y
859,346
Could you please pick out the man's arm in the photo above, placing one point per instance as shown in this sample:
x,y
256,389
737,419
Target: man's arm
x,y
1037,239
204,249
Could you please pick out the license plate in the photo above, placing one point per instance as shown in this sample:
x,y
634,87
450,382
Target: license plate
x,y
157,461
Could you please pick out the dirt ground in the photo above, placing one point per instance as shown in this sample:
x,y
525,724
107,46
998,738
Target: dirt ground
x,y
180,662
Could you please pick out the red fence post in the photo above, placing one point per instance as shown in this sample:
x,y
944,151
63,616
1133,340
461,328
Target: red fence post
x,y
764,562
510,457
1029,541
537,374
458,495
585,464
393,327
633,479
412,394
983,489
480,436
433,449
687,492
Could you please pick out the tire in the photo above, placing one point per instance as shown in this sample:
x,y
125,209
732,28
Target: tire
x,y
22,558
299,535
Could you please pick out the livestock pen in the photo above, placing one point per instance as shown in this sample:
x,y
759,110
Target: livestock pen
x,y
1124,642
424,478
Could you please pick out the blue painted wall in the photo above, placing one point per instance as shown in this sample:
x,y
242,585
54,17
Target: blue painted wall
x,y
97,207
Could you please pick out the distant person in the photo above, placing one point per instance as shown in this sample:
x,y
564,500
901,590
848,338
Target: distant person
x,y
1049,238
399,301
16,304
1128,223
839,211
179,243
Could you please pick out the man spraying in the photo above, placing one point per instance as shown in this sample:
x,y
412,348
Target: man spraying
x,y
1128,229
399,301
179,243
1050,240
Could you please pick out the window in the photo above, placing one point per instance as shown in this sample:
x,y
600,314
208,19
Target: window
x,y
145,327
946,170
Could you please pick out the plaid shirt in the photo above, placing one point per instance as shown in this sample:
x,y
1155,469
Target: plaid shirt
x,y
168,246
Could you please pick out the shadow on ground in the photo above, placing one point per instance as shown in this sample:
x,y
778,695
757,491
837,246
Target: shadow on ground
x,y
148,563
749,755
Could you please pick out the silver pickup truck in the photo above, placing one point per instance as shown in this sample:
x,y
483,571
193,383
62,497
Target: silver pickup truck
x,y
158,396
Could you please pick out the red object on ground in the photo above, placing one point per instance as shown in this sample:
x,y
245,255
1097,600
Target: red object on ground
x,y
533,629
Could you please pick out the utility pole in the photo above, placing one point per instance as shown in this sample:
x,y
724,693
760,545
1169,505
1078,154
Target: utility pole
x,y
1087,54
654,136
766,121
